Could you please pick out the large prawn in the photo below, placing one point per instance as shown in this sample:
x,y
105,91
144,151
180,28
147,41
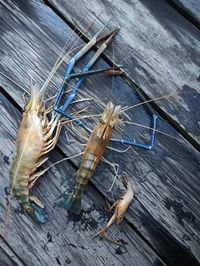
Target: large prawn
x,y
37,136
95,148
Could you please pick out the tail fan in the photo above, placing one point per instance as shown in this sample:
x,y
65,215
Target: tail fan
x,y
38,214
71,202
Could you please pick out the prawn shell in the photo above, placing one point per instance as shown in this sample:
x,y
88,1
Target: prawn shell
x,y
88,165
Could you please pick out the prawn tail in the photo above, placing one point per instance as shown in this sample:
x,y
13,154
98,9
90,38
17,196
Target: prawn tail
x,y
36,212
71,202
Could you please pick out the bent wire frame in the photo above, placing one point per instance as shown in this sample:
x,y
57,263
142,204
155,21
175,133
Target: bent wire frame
x,y
61,109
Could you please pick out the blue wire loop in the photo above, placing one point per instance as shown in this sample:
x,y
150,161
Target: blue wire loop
x,y
141,145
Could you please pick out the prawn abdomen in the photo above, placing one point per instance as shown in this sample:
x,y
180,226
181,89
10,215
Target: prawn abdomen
x,y
86,170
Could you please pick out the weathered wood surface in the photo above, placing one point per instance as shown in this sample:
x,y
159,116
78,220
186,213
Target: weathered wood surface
x,y
63,240
189,8
165,212
7,256
158,47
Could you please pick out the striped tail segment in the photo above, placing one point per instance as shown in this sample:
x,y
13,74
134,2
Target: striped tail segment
x,y
72,201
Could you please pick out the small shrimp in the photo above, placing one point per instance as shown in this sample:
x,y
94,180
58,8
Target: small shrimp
x,y
95,148
121,206
37,136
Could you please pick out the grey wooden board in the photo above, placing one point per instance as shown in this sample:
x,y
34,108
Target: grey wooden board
x,y
159,49
30,47
191,8
63,240
7,258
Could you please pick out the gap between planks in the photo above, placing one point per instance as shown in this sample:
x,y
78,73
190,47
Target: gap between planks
x,y
181,10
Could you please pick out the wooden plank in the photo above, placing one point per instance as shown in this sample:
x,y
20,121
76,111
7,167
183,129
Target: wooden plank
x,y
188,8
158,48
168,172
64,239
7,256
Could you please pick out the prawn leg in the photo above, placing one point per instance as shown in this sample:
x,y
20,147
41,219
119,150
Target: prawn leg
x,y
111,207
102,233
62,110
110,71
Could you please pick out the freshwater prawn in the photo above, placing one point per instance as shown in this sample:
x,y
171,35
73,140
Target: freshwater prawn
x,y
37,136
120,206
95,148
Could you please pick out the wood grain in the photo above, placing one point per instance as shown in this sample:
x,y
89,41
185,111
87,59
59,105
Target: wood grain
x,y
166,212
8,257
